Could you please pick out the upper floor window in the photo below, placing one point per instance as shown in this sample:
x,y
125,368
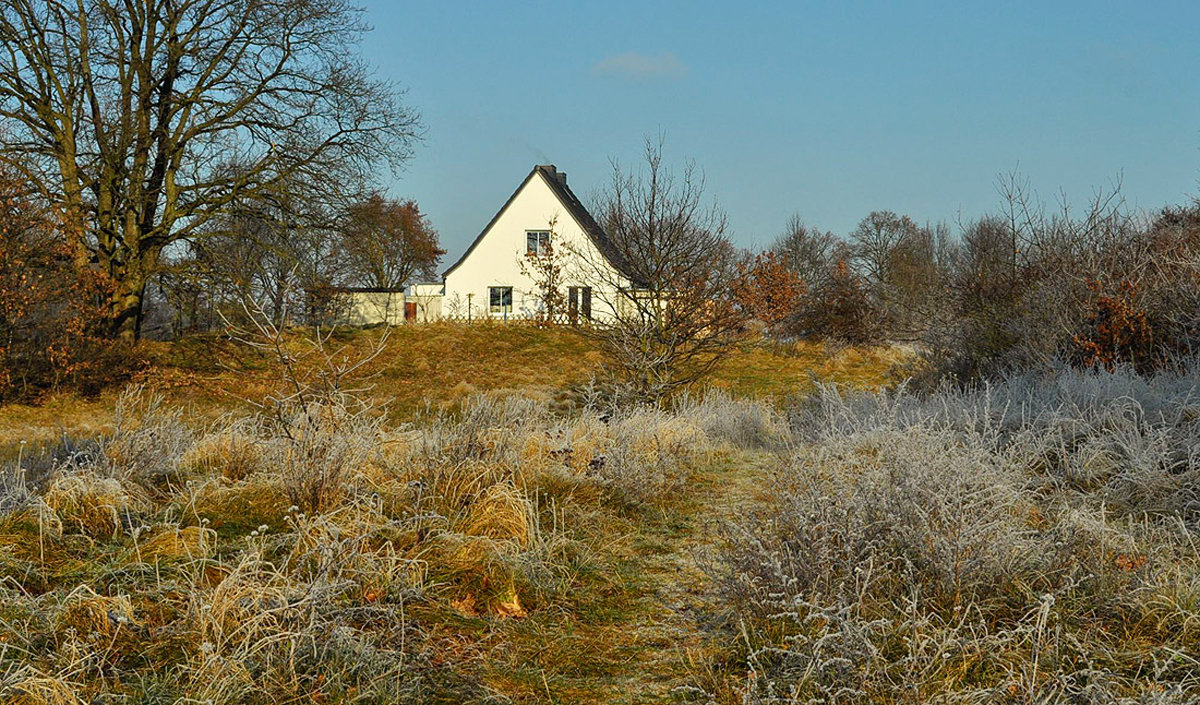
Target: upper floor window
x,y
537,242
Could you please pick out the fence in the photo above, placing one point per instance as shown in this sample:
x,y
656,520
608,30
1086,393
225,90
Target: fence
x,y
538,320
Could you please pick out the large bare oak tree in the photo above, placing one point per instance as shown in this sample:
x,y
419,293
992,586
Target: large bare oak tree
x,y
141,120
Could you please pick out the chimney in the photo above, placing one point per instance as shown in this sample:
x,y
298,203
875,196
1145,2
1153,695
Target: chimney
x,y
562,177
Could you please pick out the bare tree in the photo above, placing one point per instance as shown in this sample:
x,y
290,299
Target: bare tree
x,y
142,120
667,274
807,251
876,240
903,266
269,250
548,268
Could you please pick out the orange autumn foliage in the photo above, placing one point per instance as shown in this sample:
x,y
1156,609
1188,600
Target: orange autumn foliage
x,y
1117,330
51,316
767,289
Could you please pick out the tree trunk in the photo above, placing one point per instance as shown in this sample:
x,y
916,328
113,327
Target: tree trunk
x,y
125,308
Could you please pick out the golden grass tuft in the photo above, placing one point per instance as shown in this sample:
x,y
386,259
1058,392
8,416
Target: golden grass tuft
x,y
453,488
651,435
359,544
218,679
93,505
231,453
242,505
459,393
18,527
88,613
34,688
249,603
502,513
177,544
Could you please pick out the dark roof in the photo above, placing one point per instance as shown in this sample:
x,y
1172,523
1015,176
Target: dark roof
x,y
365,290
558,184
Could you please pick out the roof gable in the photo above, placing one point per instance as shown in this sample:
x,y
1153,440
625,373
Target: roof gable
x,y
556,181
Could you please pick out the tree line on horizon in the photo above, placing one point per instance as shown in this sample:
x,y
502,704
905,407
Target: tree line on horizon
x,y
1017,288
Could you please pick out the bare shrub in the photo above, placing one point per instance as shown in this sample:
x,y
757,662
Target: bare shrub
x,y
665,270
318,446
148,439
322,424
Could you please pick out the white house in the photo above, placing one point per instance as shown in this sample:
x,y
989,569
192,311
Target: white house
x,y
496,277
489,279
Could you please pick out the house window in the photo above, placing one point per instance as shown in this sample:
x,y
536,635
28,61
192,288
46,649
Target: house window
x,y
500,299
579,303
537,242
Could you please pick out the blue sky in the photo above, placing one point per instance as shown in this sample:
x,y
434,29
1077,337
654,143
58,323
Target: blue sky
x,y
826,109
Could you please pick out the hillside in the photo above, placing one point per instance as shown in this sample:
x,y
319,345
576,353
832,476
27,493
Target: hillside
x,y
436,365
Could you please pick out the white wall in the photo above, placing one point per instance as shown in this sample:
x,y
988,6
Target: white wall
x,y
428,298
366,308
495,261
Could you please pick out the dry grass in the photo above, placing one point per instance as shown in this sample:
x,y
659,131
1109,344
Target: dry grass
x,y
94,505
87,614
233,451
776,371
440,365
214,586
186,544
28,687
485,550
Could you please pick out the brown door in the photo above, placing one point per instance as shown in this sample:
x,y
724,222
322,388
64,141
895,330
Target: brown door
x,y
410,310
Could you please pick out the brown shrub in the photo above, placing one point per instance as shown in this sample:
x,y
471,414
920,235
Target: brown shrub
x,y
50,323
1117,330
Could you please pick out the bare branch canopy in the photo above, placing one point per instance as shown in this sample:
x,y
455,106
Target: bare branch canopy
x,y
140,120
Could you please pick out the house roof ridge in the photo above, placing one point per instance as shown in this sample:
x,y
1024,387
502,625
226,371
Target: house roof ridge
x,y
570,201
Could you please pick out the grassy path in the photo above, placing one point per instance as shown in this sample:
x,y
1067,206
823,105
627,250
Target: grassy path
x,y
668,638
645,626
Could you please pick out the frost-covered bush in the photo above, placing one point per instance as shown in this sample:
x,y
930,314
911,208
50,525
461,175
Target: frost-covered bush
x,y
147,442
1034,540
1129,441
742,423
914,504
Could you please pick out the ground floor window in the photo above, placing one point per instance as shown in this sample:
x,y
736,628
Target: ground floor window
x,y
579,303
500,300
